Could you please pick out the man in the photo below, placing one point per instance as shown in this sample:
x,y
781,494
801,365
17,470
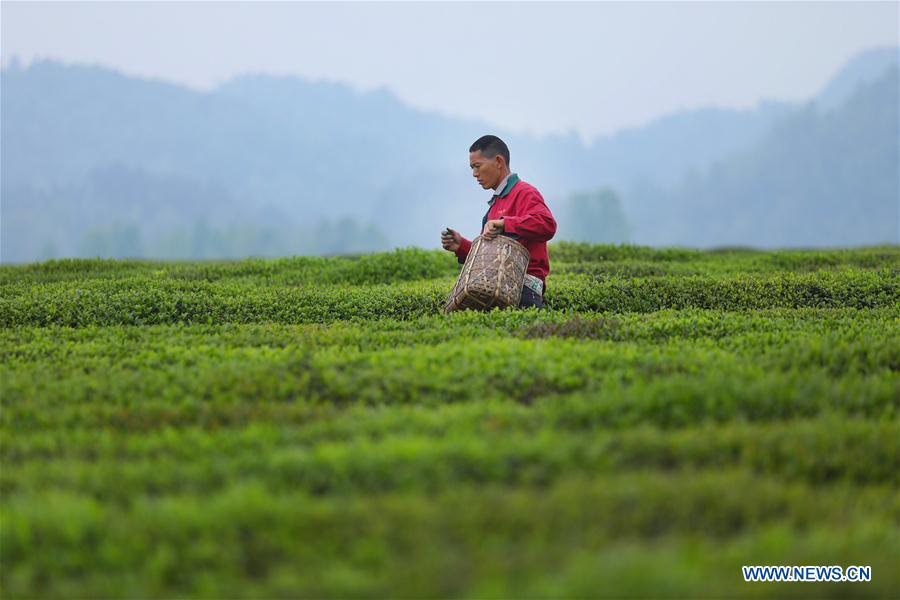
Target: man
x,y
516,208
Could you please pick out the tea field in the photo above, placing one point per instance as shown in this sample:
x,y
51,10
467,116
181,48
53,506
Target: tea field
x,y
315,427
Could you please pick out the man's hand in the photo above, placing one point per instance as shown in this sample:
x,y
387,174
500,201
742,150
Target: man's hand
x,y
450,239
492,229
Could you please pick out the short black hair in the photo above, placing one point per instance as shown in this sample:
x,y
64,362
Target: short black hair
x,y
490,146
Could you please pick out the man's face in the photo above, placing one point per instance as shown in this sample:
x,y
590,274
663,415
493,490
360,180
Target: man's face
x,y
488,171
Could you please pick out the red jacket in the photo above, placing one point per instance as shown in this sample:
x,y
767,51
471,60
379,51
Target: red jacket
x,y
524,213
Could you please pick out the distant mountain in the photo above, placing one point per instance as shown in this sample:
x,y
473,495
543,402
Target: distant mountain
x,y
87,150
818,178
663,150
865,68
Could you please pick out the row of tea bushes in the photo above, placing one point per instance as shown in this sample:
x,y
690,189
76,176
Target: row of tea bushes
x,y
134,378
688,532
326,459
793,260
405,264
146,301
416,264
781,327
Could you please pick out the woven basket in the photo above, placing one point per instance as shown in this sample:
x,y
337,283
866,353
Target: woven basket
x,y
492,276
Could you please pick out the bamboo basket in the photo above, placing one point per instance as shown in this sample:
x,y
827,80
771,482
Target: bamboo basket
x,y
492,275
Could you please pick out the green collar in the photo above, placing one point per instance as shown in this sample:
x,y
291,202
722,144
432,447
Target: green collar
x,y
513,180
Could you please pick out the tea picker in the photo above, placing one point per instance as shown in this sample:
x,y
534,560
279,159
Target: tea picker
x,y
507,265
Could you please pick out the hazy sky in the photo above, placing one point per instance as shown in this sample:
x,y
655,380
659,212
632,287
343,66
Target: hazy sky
x,y
531,67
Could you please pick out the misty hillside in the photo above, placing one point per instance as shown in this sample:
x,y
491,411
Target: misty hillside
x,y
817,178
98,163
867,67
